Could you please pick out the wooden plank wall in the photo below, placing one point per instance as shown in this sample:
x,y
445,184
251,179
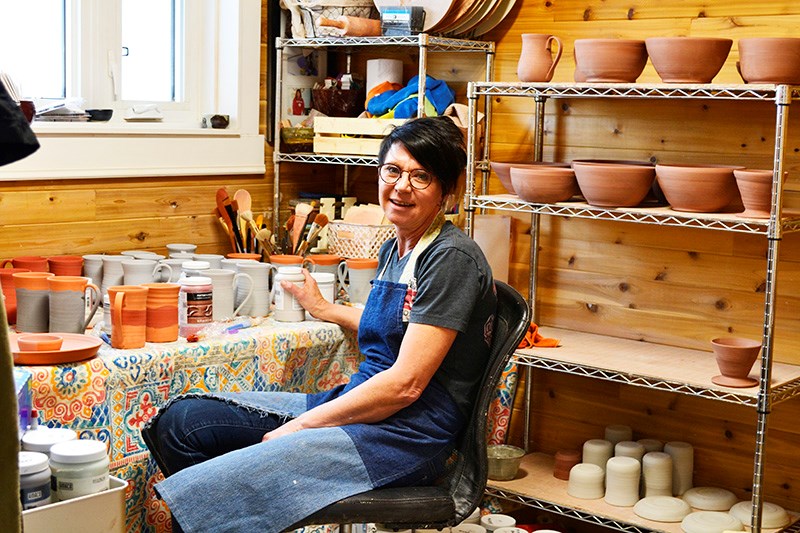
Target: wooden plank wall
x,y
669,285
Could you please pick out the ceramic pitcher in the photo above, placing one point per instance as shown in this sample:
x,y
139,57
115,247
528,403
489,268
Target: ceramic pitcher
x,y
536,61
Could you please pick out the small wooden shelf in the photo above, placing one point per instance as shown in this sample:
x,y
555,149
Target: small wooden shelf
x,y
651,365
536,486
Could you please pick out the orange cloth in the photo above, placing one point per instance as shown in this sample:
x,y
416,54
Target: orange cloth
x,y
534,339
382,88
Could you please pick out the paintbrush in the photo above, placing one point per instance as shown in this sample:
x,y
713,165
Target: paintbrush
x,y
320,221
301,212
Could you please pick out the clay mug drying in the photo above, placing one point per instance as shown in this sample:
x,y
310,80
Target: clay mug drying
x,y
536,61
224,286
292,260
327,263
259,302
140,271
34,263
112,271
68,303
93,268
9,291
33,301
355,277
213,260
66,265
128,305
161,319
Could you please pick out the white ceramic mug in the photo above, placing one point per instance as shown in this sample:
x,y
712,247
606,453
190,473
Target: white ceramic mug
x,y
140,271
174,273
180,247
225,284
355,277
93,268
213,260
112,271
259,302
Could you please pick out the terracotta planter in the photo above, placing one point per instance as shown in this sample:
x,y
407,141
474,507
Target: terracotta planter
x,y
688,59
755,186
613,184
544,184
536,60
610,60
503,171
698,188
735,357
769,60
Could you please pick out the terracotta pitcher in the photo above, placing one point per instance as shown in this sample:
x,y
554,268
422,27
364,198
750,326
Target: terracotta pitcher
x,y
536,61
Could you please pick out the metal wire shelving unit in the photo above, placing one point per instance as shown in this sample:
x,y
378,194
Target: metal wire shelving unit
x,y
772,229
424,44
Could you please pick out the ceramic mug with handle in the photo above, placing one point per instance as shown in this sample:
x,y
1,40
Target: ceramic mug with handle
x,y
128,315
355,277
68,296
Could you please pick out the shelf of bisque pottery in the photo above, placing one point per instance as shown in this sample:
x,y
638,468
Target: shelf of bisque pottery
x,y
535,486
664,216
656,366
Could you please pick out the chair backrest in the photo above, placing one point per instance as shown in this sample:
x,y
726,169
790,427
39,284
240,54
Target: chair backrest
x,y
467,479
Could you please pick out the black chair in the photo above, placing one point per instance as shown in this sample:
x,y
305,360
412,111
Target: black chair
x,y
453,499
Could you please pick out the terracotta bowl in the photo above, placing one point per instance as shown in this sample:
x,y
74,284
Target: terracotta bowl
x,y
613,184
755,186
735,357
688,59
544,184
698,188
503,170
610,60
770,60
39,342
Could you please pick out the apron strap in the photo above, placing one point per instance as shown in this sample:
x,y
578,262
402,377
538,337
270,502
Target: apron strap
x,y
407,276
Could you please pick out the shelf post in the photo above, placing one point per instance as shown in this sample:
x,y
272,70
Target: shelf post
x,y
472,118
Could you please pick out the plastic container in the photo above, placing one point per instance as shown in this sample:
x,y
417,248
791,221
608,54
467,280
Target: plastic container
x,y
287,309
195,305
34,480
42,439
79,468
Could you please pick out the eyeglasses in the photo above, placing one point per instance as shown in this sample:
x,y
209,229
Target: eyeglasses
x,y
418,178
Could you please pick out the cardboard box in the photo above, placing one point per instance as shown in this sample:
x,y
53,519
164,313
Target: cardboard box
x,y
22,387
103,512
351,136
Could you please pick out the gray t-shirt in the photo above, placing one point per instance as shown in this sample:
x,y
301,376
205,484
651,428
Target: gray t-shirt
x,y
455,290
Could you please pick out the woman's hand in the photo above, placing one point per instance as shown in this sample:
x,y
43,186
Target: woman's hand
x,y
286,429
308,295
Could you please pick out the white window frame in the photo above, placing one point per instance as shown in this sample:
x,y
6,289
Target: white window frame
x,y
228,83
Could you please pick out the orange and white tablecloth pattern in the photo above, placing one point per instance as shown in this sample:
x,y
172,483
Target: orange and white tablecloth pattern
x,y
112,396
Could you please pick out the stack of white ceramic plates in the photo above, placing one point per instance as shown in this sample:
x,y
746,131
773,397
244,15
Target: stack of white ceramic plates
x,y
709,498
662,509
710,522
772,516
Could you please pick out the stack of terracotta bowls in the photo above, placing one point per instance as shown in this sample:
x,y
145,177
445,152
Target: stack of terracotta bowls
x,y
503,170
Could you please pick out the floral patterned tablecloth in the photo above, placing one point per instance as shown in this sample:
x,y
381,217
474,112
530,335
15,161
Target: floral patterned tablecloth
x,y
110,397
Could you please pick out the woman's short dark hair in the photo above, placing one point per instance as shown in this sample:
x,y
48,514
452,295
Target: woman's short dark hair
x,y
436,143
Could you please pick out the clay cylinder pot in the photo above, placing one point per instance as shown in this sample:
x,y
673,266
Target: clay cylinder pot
x,y
564,461
536,61
610,60
769,60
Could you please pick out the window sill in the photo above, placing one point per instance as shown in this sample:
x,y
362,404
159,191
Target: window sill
x,y
124,150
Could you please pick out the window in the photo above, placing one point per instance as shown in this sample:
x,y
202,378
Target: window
x,y
187,58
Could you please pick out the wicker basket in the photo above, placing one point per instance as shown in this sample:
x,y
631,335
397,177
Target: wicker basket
x,y
357,240
306,13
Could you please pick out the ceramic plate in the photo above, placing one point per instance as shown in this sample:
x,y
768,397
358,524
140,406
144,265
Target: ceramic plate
x,y
502,9
662,508
435,10
76,347
709,498
772,515
710,522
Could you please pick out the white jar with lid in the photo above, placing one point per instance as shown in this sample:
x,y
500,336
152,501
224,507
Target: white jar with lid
x,y
80,467
195,304
43,438
287,309
34,480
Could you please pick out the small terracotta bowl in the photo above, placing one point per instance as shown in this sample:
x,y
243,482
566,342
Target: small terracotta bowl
x,y
688,59
755,186
39,342
769,60
543,184
613,184
504,461
610,60
698,188
503,170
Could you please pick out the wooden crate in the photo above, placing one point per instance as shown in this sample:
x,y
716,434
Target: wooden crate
x,y
356,136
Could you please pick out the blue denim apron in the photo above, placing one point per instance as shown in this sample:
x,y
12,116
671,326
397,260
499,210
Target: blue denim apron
x,y
272,485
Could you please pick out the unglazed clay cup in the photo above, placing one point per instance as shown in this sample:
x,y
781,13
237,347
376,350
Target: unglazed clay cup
x,y
39,342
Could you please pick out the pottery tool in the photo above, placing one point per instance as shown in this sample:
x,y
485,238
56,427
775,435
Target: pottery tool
x,y
320,221
305,230
226,210
264,236
222,215
244,204
301,212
